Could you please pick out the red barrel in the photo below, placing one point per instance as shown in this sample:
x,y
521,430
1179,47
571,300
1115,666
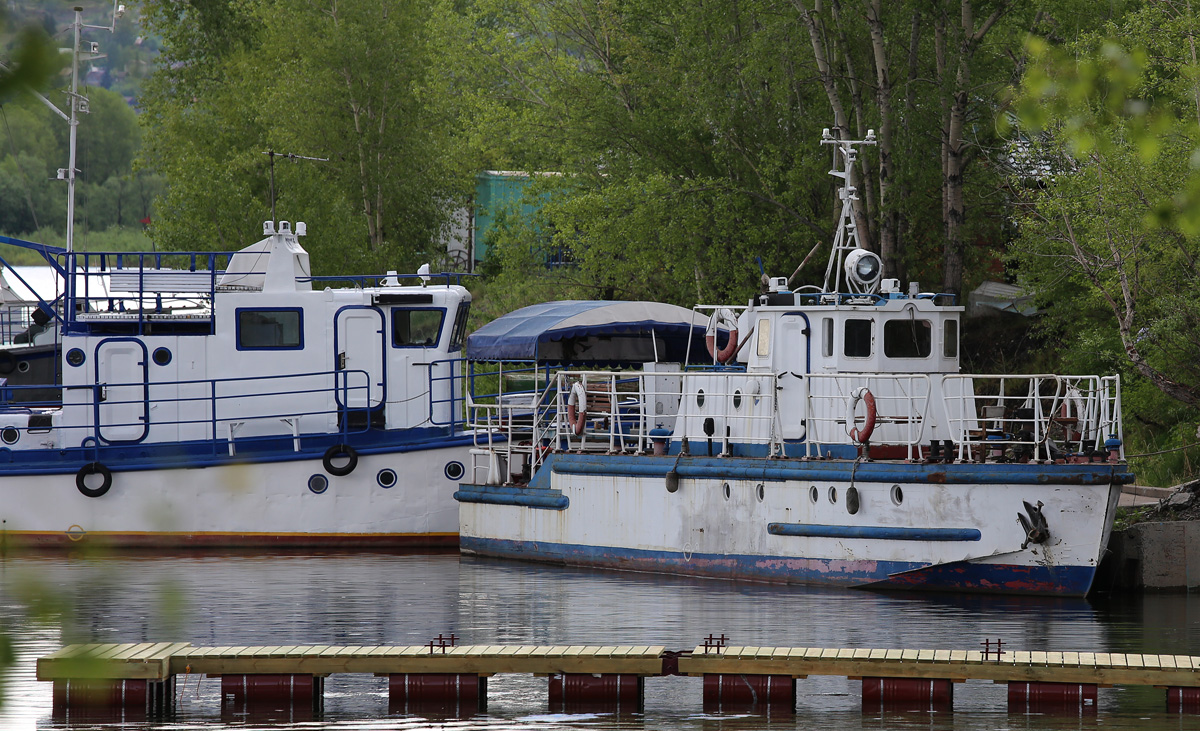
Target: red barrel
x,y
907,694
588,693
450,694
731,692
1051,697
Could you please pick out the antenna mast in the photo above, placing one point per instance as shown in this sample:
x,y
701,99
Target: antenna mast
x,y
846,239
271,154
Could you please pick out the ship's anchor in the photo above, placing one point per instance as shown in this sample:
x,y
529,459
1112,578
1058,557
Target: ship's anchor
x,y
1036,529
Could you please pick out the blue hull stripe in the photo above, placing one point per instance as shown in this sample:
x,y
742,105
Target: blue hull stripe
x,y
778,470
953,577
887,533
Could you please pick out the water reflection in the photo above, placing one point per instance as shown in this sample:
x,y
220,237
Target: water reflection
x,y
367,599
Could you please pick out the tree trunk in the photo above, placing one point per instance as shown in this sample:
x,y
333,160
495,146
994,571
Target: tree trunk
x,y
889,245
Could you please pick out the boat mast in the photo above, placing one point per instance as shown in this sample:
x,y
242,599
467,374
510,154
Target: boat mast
x,y
846,239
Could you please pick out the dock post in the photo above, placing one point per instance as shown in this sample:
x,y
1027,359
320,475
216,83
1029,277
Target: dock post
x,y
907,694
1029,697
296,693
596,693
738,692
151,697
451,694
1183,700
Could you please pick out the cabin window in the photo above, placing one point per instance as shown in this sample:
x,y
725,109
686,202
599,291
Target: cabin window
x,y
416,328
270,329
827,337
950,339
858,339
907,338
764,337
459,334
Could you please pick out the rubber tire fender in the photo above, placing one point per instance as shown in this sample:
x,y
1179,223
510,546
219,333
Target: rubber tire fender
x,y
340,450
93,468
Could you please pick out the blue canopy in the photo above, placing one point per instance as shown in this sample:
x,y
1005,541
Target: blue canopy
x,y
594,332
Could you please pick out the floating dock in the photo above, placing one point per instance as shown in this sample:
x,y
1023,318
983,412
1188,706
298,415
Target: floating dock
x,y
443,677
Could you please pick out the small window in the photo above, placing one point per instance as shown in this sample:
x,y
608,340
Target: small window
x,y
827,337
270,329
858,339
416,328
764,337
907,338
950,339
458,335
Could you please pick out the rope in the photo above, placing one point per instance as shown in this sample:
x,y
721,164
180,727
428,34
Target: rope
x,y
1163,451
17,162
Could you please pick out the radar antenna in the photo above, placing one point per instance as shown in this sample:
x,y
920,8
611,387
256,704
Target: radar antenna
x,y
863,273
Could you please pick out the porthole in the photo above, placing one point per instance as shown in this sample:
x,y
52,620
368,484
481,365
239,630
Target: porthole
x,y
813,494
897,494
10,435
833,495
455,470
700,397
318,483
75,357
728,492
386,478
852,501
162,356
737,399
761,491
23,366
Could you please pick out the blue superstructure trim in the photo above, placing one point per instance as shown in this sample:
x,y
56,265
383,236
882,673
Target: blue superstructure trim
x,y
502,495
957,577
886,533
780,470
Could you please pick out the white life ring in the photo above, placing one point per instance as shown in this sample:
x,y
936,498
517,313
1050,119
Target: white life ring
x,y
577,407
722,317
860,436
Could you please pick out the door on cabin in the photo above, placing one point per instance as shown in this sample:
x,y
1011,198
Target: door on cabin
x,y
122,390
359,345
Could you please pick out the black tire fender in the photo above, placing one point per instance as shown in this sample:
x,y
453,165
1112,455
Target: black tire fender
x,y
93,468
340,450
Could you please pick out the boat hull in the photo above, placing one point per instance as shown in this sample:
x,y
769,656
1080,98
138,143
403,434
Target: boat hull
x,y
930,527
245,504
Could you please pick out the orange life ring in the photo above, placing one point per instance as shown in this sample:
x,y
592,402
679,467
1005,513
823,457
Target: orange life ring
x,y
860,436
577,407
722,317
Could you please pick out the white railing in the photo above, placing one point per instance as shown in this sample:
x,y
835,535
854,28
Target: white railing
x,y
902,405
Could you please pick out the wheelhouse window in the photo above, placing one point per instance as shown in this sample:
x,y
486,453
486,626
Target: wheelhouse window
x,y
907,338
858,339
416,328
270,329
459,334
827,337
950,339
764,337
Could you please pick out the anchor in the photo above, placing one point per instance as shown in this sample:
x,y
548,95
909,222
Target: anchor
x,y
1036,529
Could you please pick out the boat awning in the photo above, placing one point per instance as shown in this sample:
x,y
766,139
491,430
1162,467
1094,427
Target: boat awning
x,y
591,332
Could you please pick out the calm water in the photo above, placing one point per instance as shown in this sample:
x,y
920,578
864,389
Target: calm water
x,y
363,599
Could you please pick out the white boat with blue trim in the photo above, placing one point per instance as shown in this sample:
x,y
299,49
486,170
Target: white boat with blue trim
x,y
828,437
233,399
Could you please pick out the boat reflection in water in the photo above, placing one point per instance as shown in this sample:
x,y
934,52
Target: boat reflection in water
x,y
369,599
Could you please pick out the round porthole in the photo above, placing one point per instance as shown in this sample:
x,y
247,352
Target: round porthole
x,y
455,470
162,356
10,435
813,494
762,492
852,501
833,495
728,492
386,478
737,399
897,494
700,397
23,366
75,357
318,483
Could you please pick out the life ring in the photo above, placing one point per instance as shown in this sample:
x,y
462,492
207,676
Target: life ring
x,y
93,468
340,450
723,317
860,436
577,407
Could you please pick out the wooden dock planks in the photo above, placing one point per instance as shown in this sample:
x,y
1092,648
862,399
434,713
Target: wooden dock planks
x,y
157,661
